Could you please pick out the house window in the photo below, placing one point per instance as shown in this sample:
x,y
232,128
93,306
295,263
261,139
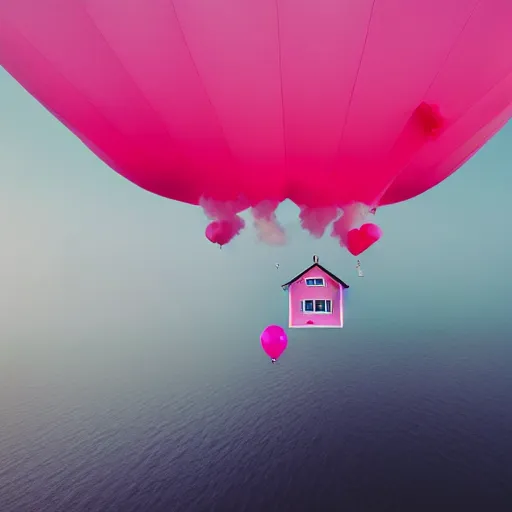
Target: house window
x,y
315,281
308,306
316,306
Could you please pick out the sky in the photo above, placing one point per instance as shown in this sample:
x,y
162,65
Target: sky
x,y
85,253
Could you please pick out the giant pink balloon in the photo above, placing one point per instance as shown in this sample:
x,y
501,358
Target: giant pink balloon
x,y
323,102
274,341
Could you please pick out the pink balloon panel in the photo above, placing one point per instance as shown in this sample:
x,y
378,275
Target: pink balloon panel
x,y
324,102
274,341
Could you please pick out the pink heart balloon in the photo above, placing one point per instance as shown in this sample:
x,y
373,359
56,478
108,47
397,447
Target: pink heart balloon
x,y
223,231
358,240
219,232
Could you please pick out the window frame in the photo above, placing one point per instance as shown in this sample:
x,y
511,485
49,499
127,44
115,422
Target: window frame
x,y
314,285
314,312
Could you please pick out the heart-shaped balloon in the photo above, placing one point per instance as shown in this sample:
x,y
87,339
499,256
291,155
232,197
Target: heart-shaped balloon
x,y
223,231
358,240
218,232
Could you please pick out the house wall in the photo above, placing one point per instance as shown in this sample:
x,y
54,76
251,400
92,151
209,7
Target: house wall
x,y
298,291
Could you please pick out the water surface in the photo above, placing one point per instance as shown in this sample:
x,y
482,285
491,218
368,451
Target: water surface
x,y
348,420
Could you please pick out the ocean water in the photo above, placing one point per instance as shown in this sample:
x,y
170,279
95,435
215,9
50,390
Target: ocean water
x,y
416,419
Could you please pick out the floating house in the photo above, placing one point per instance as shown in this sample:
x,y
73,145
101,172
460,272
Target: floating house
x,y
315,298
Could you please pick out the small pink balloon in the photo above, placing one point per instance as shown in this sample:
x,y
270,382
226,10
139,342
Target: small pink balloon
x,y
223,231
218,232
360,239
274,341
